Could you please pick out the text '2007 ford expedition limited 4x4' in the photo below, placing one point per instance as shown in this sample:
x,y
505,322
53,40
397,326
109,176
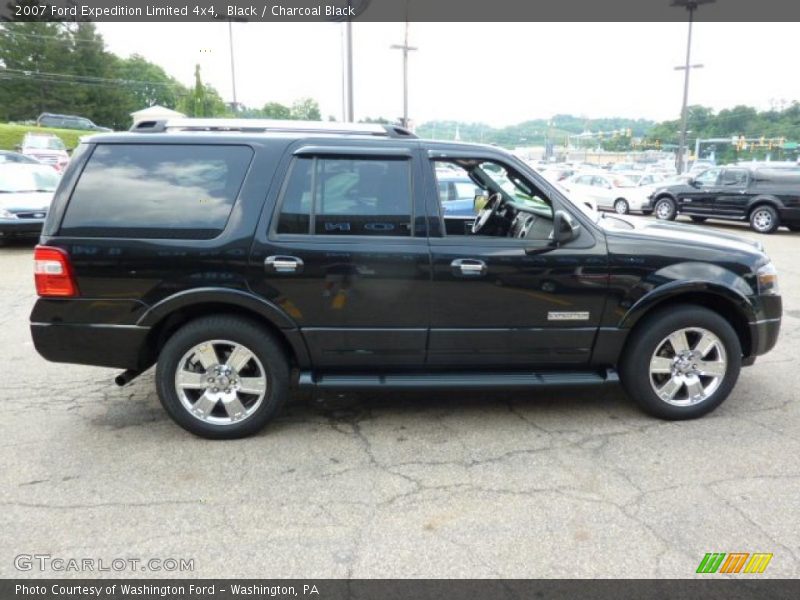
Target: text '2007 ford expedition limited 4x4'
x,y
247,257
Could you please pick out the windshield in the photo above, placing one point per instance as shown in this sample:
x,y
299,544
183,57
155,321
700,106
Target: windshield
x,y
40,142
34,179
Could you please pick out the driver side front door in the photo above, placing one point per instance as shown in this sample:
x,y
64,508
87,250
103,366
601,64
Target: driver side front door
x,y
495,304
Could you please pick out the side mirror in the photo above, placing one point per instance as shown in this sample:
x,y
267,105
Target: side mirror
x,y
564,228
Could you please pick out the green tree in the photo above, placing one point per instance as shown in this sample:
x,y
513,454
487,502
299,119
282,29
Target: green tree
x,y
306,109
276,110
203,100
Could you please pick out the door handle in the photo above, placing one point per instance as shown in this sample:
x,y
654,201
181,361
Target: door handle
x,y
289,265
468,267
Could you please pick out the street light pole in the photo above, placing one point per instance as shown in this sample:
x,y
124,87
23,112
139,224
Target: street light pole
x,y
691,6
406,49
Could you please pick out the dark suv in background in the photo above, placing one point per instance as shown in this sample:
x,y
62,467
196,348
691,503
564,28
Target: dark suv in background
x,y
764,195
69,122
245,257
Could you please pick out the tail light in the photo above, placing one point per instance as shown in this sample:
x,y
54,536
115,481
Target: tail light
x,y
53,273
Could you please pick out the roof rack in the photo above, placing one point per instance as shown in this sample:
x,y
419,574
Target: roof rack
x,y
265,125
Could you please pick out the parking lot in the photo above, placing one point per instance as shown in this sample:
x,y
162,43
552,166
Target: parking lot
x,y
545,484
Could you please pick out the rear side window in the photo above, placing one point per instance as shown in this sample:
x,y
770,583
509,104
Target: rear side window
x,y
347,196
156,191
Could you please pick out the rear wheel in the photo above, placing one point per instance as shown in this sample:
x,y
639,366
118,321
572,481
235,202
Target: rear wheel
x,y
764,219
699,219
222,377
665,209
621,206
681,362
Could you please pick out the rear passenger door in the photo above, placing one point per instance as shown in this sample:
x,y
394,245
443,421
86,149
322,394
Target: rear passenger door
x,y
346,257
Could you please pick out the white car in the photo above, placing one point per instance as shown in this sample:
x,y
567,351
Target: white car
x,y
25,194
611,192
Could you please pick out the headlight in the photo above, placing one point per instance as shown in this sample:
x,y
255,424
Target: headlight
x,y
4,214
767,277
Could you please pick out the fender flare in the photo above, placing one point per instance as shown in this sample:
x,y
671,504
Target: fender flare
x,y
271,312
765,199
675,289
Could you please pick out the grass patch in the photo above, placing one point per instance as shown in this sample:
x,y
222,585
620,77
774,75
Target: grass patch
x,y
11,135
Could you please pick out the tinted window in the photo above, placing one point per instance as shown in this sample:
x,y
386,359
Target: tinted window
x,y
343,196
295,214
734,177
176,191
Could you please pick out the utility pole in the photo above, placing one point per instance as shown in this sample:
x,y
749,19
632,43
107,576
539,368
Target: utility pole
x,y
691,6
406,49
349,68
233,65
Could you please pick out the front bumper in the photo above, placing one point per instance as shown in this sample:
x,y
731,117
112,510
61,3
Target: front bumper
x,y
764,332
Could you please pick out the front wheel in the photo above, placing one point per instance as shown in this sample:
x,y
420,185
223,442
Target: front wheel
x,y
665,209
764,219
222,377
621,206
681,362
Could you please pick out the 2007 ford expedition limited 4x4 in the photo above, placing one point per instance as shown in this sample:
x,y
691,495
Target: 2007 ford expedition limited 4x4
x,y
245,258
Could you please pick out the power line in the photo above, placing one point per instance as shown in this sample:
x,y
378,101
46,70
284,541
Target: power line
x,y
71,77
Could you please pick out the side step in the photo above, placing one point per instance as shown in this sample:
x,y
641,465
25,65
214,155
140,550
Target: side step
x,y
454,380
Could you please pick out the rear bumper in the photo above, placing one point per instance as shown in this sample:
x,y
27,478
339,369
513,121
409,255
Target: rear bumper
x,y
116,346
790,216
21,226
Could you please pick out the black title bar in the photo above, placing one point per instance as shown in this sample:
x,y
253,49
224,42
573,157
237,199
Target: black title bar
x,y
396,10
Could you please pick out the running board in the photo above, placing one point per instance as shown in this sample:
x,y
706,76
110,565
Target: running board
x,y
475,381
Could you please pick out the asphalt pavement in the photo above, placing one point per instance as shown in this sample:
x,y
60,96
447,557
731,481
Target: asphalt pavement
x,y
559,483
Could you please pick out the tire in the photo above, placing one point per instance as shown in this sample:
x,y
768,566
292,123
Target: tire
x,y
665,209
699,219
764,219
213,402
649,352
621,206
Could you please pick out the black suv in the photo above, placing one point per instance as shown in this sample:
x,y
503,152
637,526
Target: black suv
x,y
246,258
766,196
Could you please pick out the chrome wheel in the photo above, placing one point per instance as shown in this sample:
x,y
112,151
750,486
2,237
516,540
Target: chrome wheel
x,y
621,207
762,220
664,209
220,382
688,366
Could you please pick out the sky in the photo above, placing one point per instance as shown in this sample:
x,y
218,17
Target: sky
x,y
496,73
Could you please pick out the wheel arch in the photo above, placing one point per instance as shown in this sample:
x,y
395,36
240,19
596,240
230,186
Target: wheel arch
x,y
727,302
761,201
170,314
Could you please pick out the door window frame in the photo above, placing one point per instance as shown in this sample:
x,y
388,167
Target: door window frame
x,y
437,234
346,153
